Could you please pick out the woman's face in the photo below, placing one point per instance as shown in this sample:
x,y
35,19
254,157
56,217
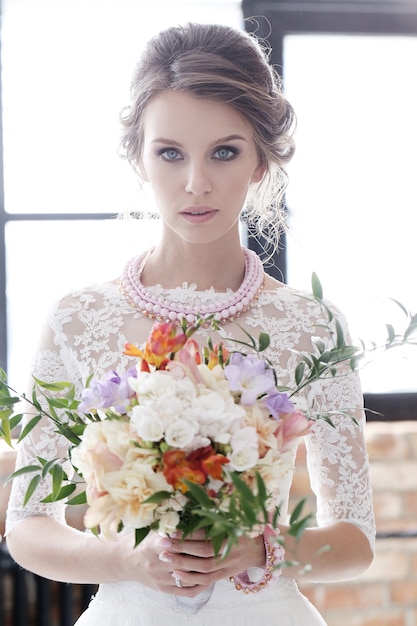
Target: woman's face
x,y
200,158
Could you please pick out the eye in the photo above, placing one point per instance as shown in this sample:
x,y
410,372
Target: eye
x,y
170,154
225,153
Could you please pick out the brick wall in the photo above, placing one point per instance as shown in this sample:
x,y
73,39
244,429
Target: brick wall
x,y
386,595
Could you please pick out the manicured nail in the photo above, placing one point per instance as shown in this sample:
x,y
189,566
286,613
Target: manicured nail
x,y
164,557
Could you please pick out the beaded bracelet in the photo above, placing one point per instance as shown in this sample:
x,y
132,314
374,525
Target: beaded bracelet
x,y
274,554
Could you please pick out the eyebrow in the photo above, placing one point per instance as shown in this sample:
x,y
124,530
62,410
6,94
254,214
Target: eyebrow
x,y
172,142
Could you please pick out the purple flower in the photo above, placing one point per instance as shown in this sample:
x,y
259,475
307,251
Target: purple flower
x,y
249,376
113,392
278,403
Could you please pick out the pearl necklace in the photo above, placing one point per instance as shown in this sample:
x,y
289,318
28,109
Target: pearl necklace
x,y
163,310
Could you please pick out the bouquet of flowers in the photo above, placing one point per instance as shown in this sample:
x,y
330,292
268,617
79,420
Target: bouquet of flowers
x,y
186,438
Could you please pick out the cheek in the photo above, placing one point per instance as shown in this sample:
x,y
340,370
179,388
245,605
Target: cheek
x,y
238,184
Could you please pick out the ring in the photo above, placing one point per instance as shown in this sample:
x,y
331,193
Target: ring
x,y
177,581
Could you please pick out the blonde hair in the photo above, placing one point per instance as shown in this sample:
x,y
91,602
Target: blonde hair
x,y
230,66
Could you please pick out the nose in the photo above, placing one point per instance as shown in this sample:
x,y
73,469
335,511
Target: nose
x,y
198,181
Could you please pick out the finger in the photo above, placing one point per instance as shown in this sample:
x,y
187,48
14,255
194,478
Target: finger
x,y
194,547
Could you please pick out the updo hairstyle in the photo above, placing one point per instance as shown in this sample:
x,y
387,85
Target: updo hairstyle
x,y
231,66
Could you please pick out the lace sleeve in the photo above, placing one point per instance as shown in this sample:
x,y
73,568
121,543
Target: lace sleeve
x,y
85,334
337,458
42,441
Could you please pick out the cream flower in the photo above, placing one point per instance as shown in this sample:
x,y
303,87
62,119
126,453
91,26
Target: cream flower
x,y
130,487
168,522
265,427
103,449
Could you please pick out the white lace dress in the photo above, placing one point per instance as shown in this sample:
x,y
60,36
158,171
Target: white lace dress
x,y
86,333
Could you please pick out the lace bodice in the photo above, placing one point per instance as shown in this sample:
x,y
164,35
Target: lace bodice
x,y
86,333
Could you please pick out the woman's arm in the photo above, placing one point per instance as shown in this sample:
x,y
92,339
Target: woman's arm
x,y
58,552
339,551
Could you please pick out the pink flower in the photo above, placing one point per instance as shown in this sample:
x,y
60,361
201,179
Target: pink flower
x,y
291,427
189,357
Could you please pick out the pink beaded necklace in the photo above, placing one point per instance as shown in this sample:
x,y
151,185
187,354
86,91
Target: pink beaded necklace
x,y
163,310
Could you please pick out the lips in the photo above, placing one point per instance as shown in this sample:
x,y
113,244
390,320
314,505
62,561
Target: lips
x,y
198,215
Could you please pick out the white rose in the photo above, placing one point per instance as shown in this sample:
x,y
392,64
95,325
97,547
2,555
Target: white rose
x,y
185,390
154,384
245,452
169,409
245,437
146,423
180,434
215,417
243,459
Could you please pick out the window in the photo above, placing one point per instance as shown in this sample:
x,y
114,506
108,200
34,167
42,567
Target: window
x,y
348,71
66,69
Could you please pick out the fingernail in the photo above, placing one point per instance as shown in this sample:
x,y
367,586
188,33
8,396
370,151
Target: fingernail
x,y
177,534
164,557
165,543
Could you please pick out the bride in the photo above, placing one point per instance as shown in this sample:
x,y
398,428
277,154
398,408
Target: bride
x,y
211,132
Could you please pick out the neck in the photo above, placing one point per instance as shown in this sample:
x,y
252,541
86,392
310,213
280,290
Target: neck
x,y
203,266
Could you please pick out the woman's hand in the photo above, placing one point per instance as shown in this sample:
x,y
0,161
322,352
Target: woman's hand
x,y
194,565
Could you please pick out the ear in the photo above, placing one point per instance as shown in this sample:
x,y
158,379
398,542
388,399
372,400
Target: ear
x,y
259,173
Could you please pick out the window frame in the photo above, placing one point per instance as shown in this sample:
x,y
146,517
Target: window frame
x,y
273,20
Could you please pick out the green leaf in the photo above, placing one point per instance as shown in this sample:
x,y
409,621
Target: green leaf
x,y
56,386
243,489
340,337
297,525
12,422
297,529
299,372
8,400
158,497
199,495
81,498
57,477
64,492
140,534
412,328
399,304
24,470
217,543
264,341
297,511
391,332
316,287
5,426
32,488
48,465
69,434
29,426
